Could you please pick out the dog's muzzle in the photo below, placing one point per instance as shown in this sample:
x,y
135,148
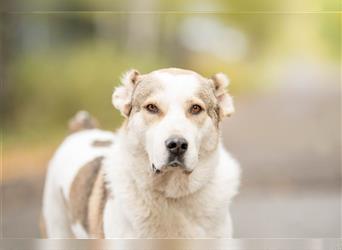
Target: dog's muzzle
x,y
176,146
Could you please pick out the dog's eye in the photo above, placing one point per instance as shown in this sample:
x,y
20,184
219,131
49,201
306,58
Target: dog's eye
x,y
152,108
195,109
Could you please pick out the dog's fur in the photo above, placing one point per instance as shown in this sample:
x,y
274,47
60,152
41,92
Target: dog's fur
x,y
103,185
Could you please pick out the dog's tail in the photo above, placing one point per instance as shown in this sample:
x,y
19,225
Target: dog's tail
x,y
81,121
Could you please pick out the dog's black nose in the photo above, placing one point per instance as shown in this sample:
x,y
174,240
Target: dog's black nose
x,y
176,145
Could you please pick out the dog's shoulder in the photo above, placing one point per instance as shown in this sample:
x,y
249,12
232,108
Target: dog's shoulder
x,y
228,172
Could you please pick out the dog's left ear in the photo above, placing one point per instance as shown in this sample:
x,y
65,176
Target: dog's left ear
x,y
220,82
122,95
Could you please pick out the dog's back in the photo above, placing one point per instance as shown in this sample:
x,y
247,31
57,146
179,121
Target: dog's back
x,y
75,182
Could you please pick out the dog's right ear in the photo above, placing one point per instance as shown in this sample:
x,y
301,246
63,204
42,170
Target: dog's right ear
x,y
220,82
122,95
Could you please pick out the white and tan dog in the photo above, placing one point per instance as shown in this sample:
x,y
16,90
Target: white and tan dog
x,y
163,174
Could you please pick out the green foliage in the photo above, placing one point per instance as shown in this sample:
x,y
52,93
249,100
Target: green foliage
x,y
51,86
72,61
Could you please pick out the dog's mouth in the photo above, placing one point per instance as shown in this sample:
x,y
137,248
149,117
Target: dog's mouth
x,y
155,170
175,163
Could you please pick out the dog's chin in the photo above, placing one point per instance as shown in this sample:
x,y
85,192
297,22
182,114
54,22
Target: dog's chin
x,y
174,165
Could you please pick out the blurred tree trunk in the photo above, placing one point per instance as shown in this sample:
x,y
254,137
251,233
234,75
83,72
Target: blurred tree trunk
x,y
142,28
4,51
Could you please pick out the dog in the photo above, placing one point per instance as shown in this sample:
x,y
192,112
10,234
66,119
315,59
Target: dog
x,y
163,174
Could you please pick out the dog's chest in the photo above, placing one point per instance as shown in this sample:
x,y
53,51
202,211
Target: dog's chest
x,y
173,219
158,217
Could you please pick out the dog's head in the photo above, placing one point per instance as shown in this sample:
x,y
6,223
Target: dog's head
x,y
173,115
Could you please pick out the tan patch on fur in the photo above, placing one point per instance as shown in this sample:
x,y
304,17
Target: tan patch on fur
x,y
199,118
96,206
206,94
216,82
226,107
144,89
81,190
103,143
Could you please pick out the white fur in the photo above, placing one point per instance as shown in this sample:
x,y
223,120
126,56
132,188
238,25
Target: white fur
x,y
137,211
140,205
78,230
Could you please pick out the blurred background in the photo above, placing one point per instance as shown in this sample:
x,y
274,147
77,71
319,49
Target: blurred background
x,y
283,59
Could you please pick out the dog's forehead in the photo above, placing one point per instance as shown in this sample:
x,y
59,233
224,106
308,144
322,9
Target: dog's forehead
x,y
180,82
171,85
174,75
